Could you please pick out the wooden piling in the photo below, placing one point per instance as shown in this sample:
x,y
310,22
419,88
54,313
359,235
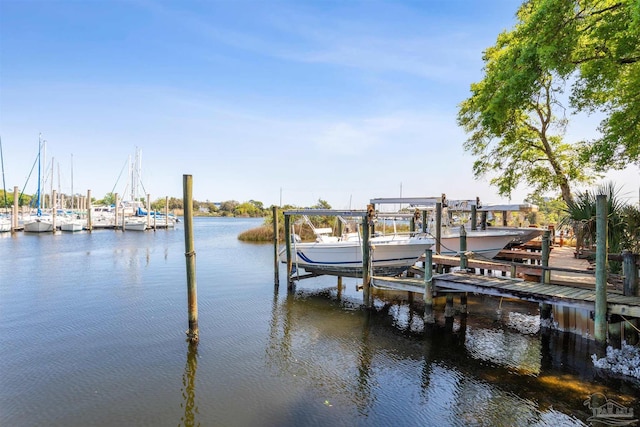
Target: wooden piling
x,y
474,217
428,287
190,255
463,249
366,257
630,272
276,246
438,226
116,212
89,219
149,210
545,277
287,239
424,221
14,213
600,327
53,210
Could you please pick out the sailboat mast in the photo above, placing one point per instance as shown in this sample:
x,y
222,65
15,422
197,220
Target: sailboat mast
x,y
39,212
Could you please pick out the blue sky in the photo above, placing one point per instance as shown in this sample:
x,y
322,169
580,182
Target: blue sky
x,y
276,101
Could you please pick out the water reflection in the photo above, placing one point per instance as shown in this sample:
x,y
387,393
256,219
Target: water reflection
x,y
188,389
479,369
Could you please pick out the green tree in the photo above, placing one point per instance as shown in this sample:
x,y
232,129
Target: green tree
x,y
593,43
522,143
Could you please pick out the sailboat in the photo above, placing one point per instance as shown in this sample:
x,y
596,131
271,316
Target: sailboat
x,y
39,223
73,222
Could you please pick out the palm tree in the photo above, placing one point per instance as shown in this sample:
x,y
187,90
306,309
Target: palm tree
x,y
622,221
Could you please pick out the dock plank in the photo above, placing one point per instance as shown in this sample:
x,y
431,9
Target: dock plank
x,y
516,288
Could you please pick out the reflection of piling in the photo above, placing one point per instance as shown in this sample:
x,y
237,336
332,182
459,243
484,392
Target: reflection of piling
x,y
190,256
189,387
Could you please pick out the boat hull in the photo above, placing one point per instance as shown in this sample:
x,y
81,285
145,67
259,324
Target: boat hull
x,y
345,257
71,226
483,244
38,226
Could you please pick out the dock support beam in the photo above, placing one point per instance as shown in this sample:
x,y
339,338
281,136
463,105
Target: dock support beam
x,y
276,245
600,327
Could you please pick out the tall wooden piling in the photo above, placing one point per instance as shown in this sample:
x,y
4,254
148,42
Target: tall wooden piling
x,y
429,317
600,327
115,214
14,213
53,210
149,210
287,238
190,255
545,277
276,245
438,226
463,249
89,219
366,257
474,217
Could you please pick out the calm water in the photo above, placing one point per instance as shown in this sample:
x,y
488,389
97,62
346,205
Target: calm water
x,y
92,333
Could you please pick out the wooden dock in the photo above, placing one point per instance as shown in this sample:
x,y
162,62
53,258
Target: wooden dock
x,y
568,296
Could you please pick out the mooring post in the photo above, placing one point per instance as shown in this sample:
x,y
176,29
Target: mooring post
x,y
600,327
166,209
14,213
424,221
428,287
545,277
276,245
89,219
53,209
366,256
483,220
504,218
149,210
190,255
287,242
463,249
115,216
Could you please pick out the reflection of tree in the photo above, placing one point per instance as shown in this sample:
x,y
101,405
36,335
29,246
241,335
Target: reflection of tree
x,y
189,388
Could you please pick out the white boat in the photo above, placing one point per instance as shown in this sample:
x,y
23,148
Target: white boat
x,y
38,224
135,224
525,234
343,256
72,225
5,224
481,243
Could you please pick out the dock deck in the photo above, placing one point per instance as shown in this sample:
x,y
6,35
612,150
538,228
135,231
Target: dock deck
x,y
576,297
